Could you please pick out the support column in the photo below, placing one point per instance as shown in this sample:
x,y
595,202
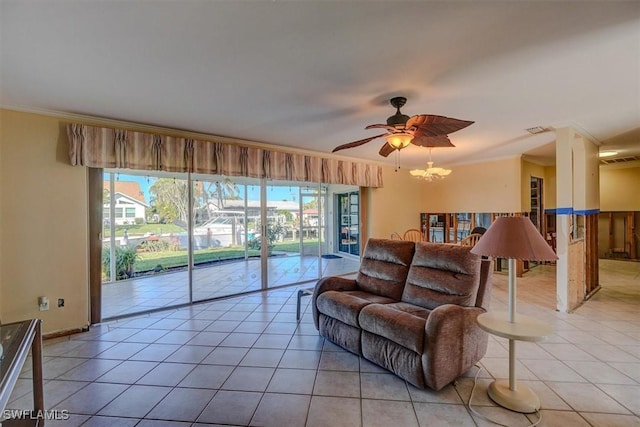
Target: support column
x,y
577,193
564,213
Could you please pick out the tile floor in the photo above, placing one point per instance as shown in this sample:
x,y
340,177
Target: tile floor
x,y
245,361
127,297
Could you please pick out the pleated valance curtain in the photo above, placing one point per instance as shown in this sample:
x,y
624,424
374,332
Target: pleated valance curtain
x,y
100,147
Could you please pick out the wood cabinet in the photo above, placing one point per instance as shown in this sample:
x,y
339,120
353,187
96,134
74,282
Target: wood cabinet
x,y
435,227
447,227
536,213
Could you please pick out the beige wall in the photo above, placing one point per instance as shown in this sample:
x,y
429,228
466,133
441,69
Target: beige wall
x,y
550,187
493,186
44,224
585,175
619,189
483,187
564,168
395,207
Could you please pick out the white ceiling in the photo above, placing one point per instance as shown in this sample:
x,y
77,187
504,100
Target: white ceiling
x,y
313,74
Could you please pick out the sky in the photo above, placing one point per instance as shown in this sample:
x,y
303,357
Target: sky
x,y
253,193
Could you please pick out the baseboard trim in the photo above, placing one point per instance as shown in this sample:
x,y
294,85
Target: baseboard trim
x,y
64,333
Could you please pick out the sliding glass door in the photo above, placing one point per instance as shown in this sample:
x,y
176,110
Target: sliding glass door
x,y
294,233
174,239
226,260
145,254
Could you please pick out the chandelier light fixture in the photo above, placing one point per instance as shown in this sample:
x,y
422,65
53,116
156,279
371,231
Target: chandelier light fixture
x,y
430,174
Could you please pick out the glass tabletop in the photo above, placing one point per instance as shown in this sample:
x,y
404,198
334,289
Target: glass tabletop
x,y
11,336
17,339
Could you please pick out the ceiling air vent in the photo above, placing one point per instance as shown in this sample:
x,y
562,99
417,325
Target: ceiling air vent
x,y
536,130
619,160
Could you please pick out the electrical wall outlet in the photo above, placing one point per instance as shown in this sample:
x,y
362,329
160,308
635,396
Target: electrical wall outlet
x,y
43,303
60,302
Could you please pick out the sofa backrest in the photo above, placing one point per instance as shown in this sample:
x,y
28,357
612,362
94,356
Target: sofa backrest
x,y
384,267
442,274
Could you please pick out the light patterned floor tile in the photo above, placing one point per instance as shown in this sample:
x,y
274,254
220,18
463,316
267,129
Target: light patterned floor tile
x,y
587,397
443,415
388,413
334,412
610,420
231,407
276,410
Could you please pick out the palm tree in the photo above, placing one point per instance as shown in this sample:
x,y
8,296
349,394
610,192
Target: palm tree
x,y
223,190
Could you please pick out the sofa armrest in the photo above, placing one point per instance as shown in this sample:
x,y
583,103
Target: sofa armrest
x,y
454,342
331,283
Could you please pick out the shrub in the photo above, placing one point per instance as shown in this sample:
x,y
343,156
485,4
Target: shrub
x,y
153,245
274,232
125,260
254,243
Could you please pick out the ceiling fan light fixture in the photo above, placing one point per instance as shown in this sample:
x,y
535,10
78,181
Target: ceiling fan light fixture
x,y
422,130
399,140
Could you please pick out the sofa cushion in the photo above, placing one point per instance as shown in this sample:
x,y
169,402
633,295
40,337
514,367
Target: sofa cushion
x,y
442,274
346,336
345,306
399,322
403,362
384,267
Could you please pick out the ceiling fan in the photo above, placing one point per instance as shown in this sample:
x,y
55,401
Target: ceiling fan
x,y
424,130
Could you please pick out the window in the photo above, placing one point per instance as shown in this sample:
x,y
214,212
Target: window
x,y
118,212
130,212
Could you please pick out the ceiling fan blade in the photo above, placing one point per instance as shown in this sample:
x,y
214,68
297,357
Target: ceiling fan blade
x,y
356,143
386,150
432,125
381,126
432,141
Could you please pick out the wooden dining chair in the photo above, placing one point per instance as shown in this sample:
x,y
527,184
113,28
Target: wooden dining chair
x,y
471,239
413,235
396,236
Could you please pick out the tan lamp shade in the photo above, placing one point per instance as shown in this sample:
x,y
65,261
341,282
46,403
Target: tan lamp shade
x,y
516,238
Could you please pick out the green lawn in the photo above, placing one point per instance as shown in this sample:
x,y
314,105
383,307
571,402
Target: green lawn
x,y
147,261
142,229
293,246
167,259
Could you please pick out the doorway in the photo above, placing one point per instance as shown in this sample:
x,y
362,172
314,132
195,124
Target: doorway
x,y
348,222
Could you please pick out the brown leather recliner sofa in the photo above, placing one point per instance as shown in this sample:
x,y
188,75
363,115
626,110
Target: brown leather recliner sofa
x,y
411,309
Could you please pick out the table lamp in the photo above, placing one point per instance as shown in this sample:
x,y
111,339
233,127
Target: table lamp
x,y
514,238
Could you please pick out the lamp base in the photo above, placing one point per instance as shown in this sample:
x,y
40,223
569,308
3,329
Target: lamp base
x,y
523,399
